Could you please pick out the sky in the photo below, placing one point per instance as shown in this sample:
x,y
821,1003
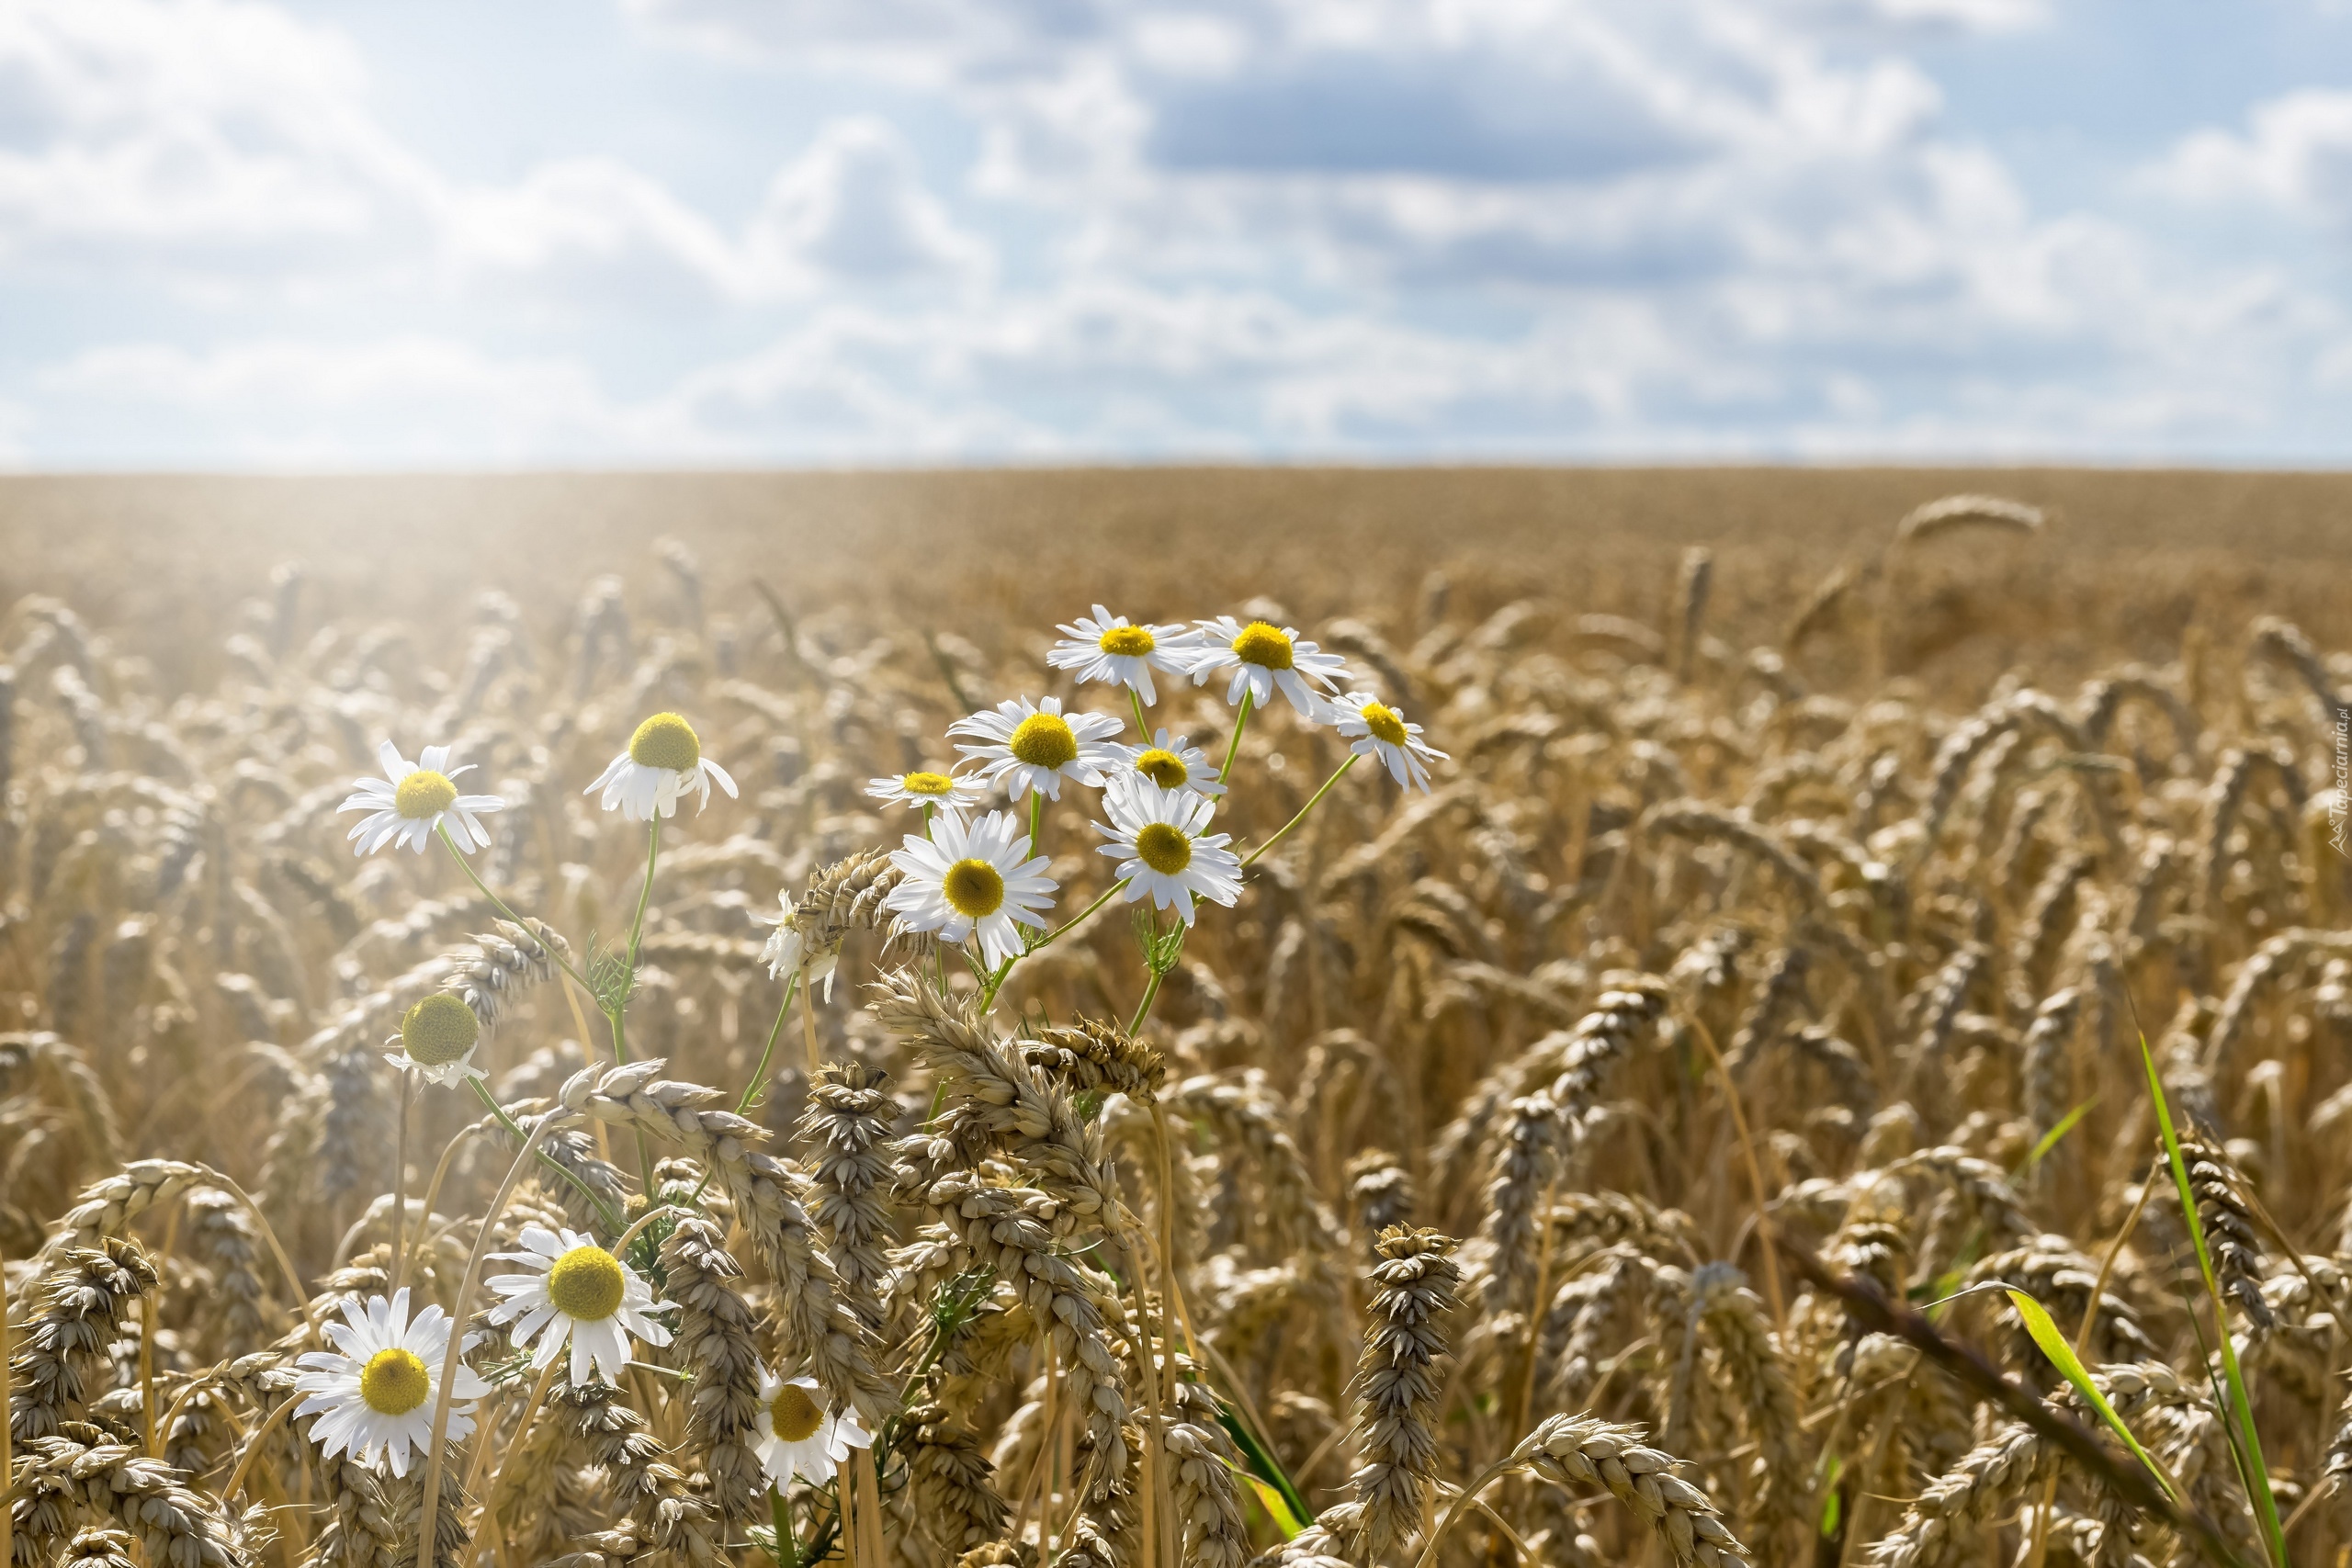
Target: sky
x,y
302,234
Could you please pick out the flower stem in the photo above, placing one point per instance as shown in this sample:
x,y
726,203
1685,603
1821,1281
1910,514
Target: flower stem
x,y
1312,801
1143,725
500,905
645,893
1143,1009
988,995
614,1011
530,1141
760,1072
1036,819
788,1552
1233,747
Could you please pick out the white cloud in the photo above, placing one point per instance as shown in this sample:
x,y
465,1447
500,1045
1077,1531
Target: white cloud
x,y
2296,154
209,138
1581,227
854,209
381,401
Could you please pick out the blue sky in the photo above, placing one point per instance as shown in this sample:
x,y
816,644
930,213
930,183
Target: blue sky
x,y
359,233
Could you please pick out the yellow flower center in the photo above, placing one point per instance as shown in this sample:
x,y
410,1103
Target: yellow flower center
x,y
1044,740
1262,644
438,1029
795,1415
586,1283
1163,768
422,794
927,783
1383,723
1128,640
1163,848
394,1381
974,887
665,741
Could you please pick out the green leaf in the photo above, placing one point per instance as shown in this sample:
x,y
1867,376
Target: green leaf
x,y
2265,1505
1277,1506
2062,1356
1264,1468
2050,1139
1832,1505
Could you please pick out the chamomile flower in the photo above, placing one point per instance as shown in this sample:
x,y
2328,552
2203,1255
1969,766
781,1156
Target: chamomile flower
x,y
414,799
1264,658
948,791
794,1436
1379,730
437,1039
1027,746
1171,761
788,949
575,1290
663,762
1156,837
374,1392
966,880
1106,648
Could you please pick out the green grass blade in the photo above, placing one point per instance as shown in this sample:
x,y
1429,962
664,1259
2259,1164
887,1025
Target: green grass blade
x,y
2050,1139
2265,1505
1263,1466
2062,1356
1277,1506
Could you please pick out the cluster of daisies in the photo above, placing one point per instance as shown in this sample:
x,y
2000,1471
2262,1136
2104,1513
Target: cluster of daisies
x,y
376,1394
379,1392
971,876
416,802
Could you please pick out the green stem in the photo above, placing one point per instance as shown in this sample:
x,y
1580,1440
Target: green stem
x,y
645,893
612,1222
1233,747
787,1551
1143,1009
500,905
614,1014
996,982
758,1076
1036,819
1064,929
767,1052
1311,802
1143,725
988,996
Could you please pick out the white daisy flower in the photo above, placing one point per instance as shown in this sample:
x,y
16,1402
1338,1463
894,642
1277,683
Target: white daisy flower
x,y
794,1436
920,789
1379,730
976,879
1028,746
663,762
1171,761
412,799
374,1392
787,949
1106,648
576,1290
1155,835
1265,659
437,1039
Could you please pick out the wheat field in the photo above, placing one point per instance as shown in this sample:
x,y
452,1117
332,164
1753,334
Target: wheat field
x,y
1846,1059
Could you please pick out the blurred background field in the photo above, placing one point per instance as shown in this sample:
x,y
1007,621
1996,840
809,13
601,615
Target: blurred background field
x,y
2131,558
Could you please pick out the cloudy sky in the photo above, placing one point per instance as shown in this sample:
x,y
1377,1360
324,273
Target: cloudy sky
x,y
299,233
